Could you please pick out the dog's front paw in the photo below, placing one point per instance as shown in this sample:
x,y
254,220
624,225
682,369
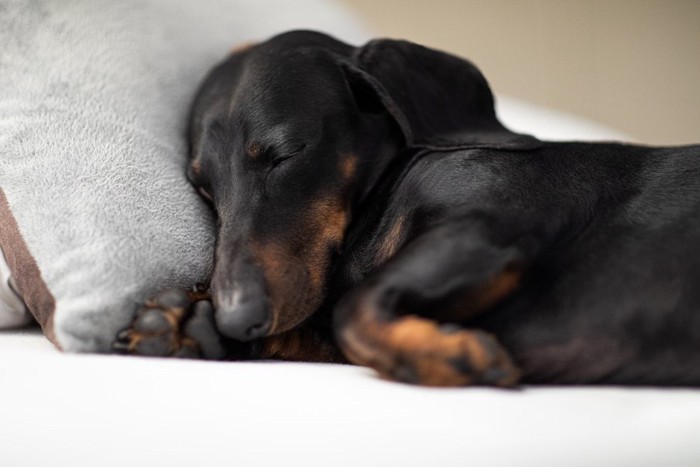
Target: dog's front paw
x,y
419,351
173,324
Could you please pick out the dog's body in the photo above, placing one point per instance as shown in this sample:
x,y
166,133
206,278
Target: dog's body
x,y
376,184
604,234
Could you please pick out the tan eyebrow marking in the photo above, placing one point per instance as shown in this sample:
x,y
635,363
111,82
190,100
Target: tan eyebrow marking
x,y
254,150
196,167
348,166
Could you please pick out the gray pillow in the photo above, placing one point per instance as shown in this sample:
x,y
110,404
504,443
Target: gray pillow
x,y
95,212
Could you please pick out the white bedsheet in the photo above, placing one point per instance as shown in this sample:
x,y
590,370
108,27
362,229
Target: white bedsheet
x,y
91,410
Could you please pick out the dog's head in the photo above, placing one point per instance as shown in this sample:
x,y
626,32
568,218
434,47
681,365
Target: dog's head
x,y
287,135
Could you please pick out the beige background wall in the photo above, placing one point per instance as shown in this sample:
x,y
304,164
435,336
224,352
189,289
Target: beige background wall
x,y
631,64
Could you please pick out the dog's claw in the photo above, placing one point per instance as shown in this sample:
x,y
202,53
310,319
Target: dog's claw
x,y
120,346
122,337
173,324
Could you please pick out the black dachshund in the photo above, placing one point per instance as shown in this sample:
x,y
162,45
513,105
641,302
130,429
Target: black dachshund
x,y
376,184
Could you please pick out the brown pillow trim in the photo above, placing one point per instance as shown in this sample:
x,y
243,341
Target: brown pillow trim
x,y
25,272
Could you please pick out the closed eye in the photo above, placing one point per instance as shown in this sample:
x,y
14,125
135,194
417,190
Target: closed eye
x,y
278,159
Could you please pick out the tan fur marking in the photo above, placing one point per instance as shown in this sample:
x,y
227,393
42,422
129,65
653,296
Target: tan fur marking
x,y
496,288
331,216
280,274
348,166
134,339
391,242
423,339
173,316
254,150
242,47
196,167
483,296
295,271
301,344
199,294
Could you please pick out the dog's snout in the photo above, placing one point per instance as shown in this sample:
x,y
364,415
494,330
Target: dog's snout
x,y
239,290
242,315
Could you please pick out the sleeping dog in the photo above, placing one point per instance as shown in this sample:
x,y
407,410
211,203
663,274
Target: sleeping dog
x,y
369,200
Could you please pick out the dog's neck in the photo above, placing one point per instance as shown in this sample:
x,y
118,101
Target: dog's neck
x,y
369,214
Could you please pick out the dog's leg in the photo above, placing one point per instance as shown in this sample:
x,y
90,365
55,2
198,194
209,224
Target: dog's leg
x,y
402,321
173,324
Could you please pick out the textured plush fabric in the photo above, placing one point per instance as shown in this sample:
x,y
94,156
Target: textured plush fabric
x,y
93,103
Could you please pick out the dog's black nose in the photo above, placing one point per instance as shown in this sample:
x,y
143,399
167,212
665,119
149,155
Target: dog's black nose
x,y
243,318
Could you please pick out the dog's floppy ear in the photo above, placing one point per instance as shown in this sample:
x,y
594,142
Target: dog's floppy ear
x,y
371,97
440,101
